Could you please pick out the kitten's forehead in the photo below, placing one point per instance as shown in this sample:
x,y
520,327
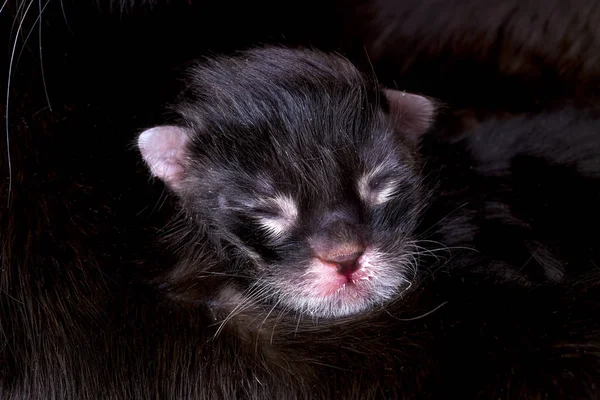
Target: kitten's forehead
x,y
314,161
324,174
307,132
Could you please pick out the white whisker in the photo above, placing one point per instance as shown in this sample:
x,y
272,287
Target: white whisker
x,y
62,9
7,104
282,312
297,324
443,218
263,322
41,57
423,315
255,293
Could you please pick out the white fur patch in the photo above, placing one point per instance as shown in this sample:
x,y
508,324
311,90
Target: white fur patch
x,y
288,208
379,195
277,226
382,195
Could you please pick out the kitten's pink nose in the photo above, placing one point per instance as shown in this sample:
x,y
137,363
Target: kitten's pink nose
x,y
345,258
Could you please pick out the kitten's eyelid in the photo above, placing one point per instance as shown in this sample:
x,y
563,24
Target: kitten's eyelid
x,y
278,222
378,186
256,209
263,206
278,206
266,211
287,205
235,204
385,192
381,180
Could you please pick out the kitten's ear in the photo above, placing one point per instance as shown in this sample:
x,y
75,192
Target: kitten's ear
x,y
163,149
411,113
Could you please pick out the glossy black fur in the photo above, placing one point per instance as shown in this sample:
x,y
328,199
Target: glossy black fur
x,y
529,195
527,203
504,55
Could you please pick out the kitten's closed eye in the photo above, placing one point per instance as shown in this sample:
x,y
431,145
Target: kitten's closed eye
x,y
377,183
276,215
383,191
377,187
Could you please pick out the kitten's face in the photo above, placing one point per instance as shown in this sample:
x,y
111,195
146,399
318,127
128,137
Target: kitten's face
x,y
328,226
324,206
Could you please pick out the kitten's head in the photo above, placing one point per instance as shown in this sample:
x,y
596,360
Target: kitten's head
x,y
306,168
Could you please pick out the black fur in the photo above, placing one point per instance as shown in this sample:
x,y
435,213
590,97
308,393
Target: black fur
x,y
496,56
78,321
523,193
530,186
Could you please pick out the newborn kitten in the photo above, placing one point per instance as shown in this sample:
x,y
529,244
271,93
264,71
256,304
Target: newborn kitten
x,y
312,221
301,189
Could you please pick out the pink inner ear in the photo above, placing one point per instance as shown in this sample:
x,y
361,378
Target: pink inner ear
x,y
411,113
163,150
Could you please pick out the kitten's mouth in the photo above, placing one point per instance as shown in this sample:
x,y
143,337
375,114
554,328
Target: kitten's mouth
x,y
326,289
334,279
